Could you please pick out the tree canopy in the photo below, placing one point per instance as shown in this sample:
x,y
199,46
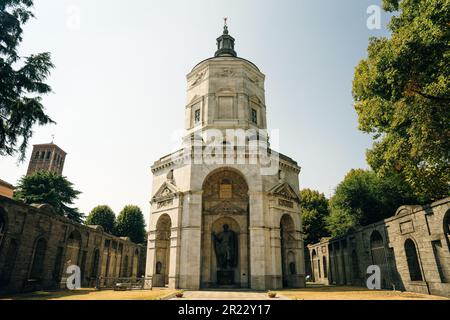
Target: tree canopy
x,y
314,212
402,97
130,223
102,216
363,198
51,188
22,81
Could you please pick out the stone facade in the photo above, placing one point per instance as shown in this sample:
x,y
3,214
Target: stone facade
x,y
412,249
193,200
37,245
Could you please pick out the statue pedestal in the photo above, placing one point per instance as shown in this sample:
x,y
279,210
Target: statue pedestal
x,y
225,277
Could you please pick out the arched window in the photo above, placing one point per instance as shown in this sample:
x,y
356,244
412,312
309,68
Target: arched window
x,y
37,267
413,261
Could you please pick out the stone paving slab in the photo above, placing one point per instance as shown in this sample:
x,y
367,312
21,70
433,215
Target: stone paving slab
x,y
227,295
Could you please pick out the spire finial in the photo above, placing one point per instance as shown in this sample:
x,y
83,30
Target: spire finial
x,y
225,25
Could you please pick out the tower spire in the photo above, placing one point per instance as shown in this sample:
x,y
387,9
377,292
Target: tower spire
x,y
225,43
225,26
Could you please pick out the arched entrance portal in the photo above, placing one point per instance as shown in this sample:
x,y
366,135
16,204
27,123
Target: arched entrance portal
x,y
288,246
225,214
162,252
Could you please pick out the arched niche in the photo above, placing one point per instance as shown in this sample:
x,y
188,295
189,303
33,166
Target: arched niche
x,y
288,246
412,259
378,254
325,267
37,264
162,251
73,247
95,264
225,216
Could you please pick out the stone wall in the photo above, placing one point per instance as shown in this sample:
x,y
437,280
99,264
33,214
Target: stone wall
x,y
412,249
37,245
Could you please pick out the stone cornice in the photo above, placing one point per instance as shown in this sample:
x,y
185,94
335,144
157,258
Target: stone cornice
x,y
182,158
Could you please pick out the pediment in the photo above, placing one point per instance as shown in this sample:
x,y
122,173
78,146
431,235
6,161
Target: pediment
x,y
284,190
195,99
165,192
406,209
255,99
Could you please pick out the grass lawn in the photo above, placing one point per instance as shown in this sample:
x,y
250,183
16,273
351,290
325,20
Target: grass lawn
x,y
92,294
352,293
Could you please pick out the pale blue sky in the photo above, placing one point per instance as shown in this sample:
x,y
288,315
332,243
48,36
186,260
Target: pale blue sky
x,y
119,84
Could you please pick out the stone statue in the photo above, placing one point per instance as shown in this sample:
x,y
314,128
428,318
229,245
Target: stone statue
x,y
225,246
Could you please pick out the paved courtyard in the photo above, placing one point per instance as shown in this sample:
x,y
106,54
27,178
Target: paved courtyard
x,y
228,295
312,292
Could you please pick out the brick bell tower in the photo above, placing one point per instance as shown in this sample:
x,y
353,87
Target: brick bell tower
x,y
47,157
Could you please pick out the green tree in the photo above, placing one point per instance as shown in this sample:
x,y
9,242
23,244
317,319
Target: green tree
x,y
130,223
314,212
50,188
402,97
102,216
21,81
363,198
